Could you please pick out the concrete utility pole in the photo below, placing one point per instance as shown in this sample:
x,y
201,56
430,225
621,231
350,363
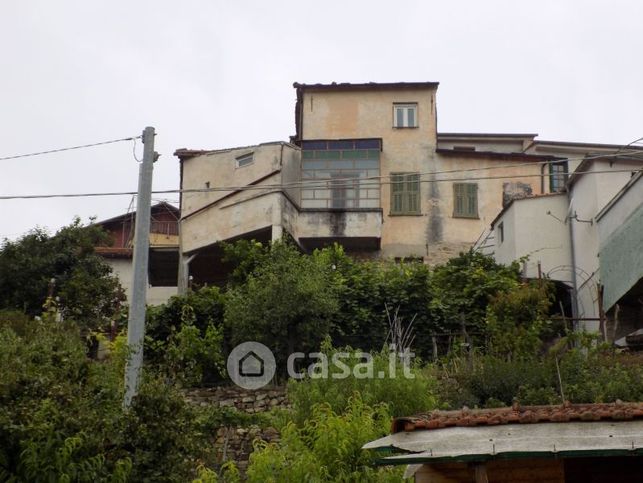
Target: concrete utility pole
x,y
136,321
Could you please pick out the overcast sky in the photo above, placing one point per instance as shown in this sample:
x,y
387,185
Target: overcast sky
x,y
214,74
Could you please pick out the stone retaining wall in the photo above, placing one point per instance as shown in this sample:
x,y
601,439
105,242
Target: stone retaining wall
x,y
257,401
235,443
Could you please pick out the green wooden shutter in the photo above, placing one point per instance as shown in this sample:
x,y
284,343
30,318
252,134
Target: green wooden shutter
x,y
472,200
397,191
458,200
413,193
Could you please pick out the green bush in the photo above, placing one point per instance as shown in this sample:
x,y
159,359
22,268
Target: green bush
x,y
185,338
588,374
327,448
403,396
61,415
88,292
287,303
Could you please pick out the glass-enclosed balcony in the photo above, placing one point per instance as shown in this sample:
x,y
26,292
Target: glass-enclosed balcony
x,y
341,174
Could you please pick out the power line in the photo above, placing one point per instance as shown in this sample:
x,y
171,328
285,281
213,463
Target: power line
x,y
320,184
59,150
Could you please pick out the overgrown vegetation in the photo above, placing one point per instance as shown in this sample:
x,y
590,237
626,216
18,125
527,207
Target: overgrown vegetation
x,y
326,448
482,338
65,263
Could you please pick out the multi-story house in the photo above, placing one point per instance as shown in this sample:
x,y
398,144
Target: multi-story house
x,y
588,238
164,249
366,168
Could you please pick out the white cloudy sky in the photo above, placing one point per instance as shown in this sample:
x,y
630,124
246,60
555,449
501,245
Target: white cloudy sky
x,y
213,74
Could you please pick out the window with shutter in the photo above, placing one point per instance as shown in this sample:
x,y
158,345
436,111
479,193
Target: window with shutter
x,y
405,194
465,200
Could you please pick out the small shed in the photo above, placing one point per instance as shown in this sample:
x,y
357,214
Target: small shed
x,y
571,443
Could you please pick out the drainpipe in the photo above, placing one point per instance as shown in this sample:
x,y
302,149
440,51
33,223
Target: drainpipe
x,y
573,256
542,178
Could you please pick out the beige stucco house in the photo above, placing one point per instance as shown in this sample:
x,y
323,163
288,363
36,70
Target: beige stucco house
x,y
367,168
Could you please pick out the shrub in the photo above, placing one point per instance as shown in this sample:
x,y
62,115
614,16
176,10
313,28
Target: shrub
x,y
328,447
287,303
403,396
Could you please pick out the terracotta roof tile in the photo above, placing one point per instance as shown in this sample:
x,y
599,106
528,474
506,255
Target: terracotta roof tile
x,y
618,411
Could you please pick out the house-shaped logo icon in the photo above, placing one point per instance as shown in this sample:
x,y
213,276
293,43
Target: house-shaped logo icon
x,y
251,365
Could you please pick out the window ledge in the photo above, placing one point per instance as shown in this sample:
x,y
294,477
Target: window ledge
x,y
405,214
465,217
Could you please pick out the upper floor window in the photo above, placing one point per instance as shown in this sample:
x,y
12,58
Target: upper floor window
x,y
405,194
557,176
405,115
244,160
465,200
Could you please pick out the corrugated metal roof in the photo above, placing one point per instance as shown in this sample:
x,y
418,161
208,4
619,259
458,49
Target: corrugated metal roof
x,y
516,432
514,440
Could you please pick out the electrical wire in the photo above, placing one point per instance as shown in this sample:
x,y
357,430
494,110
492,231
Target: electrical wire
x,y
316,183
59,150
264,187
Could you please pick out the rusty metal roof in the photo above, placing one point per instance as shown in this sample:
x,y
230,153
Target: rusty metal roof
x,y
619,411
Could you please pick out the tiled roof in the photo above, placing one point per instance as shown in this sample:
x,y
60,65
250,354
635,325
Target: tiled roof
x,y
618,411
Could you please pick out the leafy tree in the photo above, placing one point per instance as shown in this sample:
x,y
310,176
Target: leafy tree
x,y
244,256
61,415
55,407
367,290
463,288
518,322
192,356
87,290
327,448
287,303
186,338
206,304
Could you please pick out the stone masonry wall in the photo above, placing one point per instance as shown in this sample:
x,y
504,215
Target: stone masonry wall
x,y
256,401
235,443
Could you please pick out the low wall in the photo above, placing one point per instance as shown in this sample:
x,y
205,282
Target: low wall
x,y
256,401
236,443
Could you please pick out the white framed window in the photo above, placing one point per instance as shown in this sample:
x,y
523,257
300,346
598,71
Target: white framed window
x,y
405,115
244,160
